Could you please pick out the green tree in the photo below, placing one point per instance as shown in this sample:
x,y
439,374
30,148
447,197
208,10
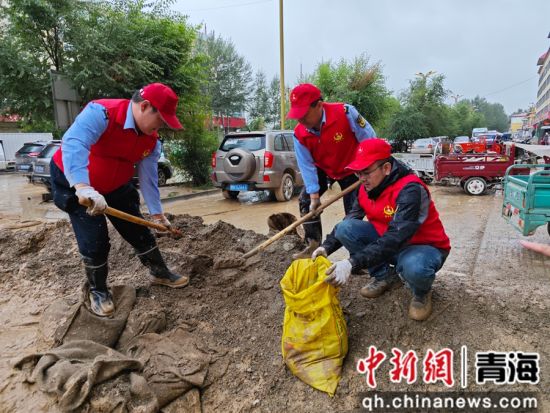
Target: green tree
x,y
260,102
407,125
228,74
358,83
275,102
31,42
466,118
495,117
427,95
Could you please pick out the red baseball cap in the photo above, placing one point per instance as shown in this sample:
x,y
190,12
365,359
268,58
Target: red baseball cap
x,y
164,100
301,97
368,152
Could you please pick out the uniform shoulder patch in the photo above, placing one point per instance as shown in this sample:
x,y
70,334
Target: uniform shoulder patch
x,y
361,121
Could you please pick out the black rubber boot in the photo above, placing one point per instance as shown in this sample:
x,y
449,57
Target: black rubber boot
x,y
101,300
160,273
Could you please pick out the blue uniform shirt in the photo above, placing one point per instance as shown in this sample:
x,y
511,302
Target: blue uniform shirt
x,y
305,159
86,130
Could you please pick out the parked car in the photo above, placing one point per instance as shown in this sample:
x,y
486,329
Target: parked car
x,y
26,156
255,161
461,139
41,171
424,145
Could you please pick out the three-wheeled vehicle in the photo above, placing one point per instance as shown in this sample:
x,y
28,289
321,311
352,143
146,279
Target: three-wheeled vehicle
x,y
526,202
475,173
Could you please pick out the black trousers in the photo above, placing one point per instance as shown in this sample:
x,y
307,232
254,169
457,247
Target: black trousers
x,y
313,228
91,232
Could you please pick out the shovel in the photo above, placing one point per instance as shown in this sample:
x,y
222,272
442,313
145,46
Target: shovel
x,y
137,220
303,219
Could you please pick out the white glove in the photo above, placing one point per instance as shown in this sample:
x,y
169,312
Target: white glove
x,y
319,251
338,273
87,195
161,219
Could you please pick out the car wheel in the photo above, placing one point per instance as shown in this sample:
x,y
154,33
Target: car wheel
x,y
162,177
230,194
286,188
475,186
548,228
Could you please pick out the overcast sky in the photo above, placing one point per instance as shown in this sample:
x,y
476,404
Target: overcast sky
x,y
483,47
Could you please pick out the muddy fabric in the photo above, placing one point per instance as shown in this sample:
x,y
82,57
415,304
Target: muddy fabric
x,y
147,317
125,394
71,370
172,365
70,318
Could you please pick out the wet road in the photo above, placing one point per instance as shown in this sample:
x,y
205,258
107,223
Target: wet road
x,y
19,198
461,214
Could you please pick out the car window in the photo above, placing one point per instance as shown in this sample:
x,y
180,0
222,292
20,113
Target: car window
x,y
289,138
31,148
462,139
423,141
252,143
49,151
279,144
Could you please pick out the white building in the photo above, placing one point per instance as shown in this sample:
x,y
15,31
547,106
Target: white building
x,y
542,107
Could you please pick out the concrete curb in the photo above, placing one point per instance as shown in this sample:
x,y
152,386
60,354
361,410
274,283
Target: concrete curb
x,y
189,196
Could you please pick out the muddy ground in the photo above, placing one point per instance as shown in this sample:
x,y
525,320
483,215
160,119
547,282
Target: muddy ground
x,y
490,295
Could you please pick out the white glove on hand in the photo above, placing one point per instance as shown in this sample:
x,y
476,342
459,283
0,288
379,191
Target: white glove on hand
x,y
161,219
98,203
338,273
319,251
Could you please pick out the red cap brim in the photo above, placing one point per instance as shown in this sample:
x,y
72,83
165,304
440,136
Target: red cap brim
x,y
297,112
171,120
360,164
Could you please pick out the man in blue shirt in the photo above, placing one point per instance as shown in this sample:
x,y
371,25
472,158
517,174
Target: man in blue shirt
x,y
325,141
94,168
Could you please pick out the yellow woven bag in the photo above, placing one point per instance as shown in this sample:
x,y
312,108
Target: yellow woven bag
x,y
315,339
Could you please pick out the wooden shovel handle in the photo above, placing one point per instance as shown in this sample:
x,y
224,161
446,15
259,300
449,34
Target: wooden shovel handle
x,y
302,220
137,220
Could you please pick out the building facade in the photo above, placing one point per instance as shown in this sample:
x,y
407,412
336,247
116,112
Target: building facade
x,y
542,107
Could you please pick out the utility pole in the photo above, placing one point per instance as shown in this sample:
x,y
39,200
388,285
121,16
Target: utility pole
x,y
456,97
282,63
425,76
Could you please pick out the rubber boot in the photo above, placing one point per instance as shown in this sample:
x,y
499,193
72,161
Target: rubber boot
x,y
160,273
101,300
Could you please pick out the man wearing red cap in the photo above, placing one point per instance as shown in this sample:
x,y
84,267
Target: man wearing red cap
x,y
403,235
95,165
325,140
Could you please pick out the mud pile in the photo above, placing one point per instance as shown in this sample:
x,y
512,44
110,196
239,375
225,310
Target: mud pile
x,y
241,310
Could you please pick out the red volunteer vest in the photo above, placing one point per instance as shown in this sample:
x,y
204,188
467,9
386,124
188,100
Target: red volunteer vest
x,y
113,156
381,210
335,148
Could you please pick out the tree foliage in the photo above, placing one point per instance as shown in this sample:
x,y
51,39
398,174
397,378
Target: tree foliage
x,y
358,83
106,49
495,117
228,74
259,106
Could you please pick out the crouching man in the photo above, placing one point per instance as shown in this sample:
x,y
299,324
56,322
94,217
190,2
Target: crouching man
x,y
403,237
